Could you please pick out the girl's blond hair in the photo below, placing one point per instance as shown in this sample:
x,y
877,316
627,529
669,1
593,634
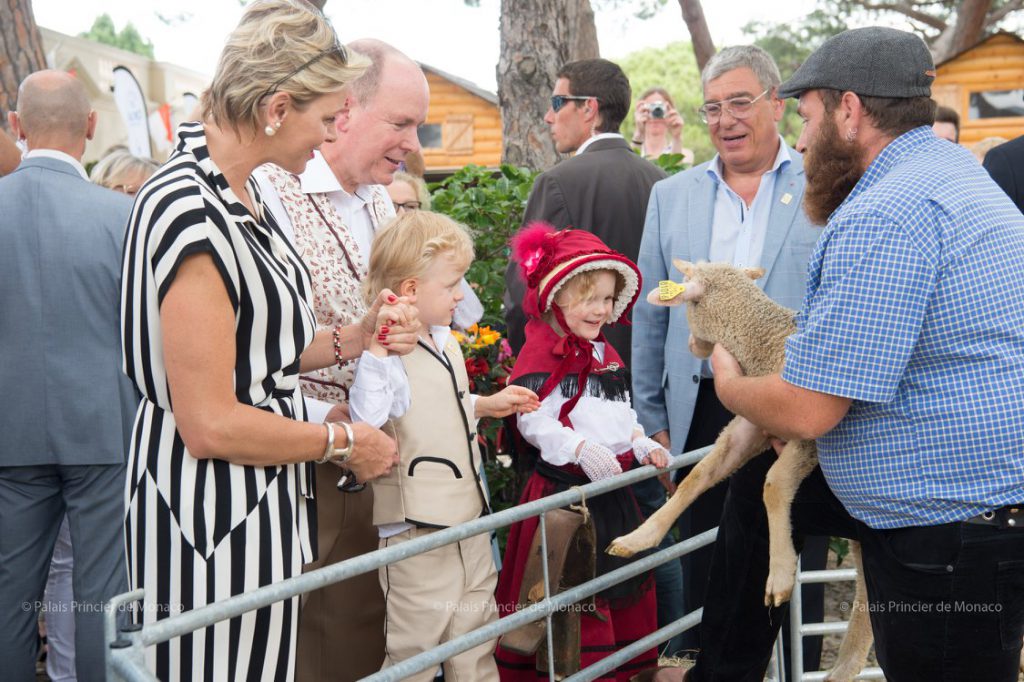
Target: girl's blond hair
x,y
278,46
406,247
580,287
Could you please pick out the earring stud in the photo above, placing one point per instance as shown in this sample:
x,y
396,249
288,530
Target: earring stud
x,y
271,130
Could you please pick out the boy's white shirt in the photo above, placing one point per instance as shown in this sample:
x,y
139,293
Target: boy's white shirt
x,y
611,423
381,392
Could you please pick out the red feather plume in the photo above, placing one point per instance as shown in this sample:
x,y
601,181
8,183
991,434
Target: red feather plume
x,y
531,246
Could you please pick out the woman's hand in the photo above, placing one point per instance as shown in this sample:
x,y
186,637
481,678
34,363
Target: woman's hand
x,y
674,121
393,322
374,455
641,115
509,400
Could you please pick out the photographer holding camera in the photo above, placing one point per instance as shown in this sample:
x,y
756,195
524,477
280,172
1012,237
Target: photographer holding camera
x,y
658,127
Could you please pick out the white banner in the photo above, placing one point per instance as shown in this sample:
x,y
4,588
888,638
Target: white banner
x,y
132,105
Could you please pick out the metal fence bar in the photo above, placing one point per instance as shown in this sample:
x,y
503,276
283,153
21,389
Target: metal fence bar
x,y
547,595
444,651
798,629
204,616
626,654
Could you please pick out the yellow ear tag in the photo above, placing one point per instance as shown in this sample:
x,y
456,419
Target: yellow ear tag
x,y
667,289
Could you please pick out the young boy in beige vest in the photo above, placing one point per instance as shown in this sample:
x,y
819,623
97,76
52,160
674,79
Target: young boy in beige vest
x,y
437,596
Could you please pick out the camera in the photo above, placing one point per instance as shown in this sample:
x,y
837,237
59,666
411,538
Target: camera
x,y
656,110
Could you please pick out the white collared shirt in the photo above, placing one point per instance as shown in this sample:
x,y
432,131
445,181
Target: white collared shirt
x,y
318,178
738,231
595,138
59,156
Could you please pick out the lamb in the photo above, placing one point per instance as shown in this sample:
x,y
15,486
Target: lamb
x,y
723,305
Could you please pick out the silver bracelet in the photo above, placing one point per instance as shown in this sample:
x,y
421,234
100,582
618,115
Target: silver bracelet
x,y
329,450
343,454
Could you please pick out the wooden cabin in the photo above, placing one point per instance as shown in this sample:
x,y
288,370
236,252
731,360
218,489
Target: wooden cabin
x,y
463,125
985,85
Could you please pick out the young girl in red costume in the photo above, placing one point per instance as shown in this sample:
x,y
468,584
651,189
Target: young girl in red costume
x,y
585,428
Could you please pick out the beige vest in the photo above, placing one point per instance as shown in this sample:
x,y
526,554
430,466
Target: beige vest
x,y
436,483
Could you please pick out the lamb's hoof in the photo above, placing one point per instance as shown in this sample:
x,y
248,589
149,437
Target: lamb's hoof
x,y
628,545
779,588
845,671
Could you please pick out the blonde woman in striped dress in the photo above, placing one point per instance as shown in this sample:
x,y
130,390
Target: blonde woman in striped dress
x,y
217,322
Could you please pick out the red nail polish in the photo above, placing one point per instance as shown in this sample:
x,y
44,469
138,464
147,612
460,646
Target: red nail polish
x,y
385,330
392,299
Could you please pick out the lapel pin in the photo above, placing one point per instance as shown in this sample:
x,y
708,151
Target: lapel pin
x,y
786,198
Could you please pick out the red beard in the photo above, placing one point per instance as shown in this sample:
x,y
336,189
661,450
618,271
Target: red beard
x,y
833,168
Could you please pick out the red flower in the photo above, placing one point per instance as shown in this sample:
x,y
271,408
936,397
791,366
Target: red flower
x,y
476,367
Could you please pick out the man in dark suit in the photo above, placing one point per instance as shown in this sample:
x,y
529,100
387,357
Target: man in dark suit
x,y
1005,164
602,189
70,407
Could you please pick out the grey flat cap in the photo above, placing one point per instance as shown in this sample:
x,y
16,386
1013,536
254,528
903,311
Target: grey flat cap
x,y
873,61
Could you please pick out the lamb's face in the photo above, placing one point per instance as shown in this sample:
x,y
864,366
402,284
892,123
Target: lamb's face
x,y
703,286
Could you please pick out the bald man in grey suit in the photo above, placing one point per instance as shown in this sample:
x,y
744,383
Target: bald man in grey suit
x,y
69,406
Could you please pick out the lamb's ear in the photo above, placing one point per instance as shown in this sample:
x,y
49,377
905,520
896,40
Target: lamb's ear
x,y
654,298
754,273
684,266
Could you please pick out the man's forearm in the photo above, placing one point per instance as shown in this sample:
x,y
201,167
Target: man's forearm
x,y
780,408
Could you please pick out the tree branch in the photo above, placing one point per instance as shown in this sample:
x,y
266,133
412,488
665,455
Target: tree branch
x,y
906,9
998,15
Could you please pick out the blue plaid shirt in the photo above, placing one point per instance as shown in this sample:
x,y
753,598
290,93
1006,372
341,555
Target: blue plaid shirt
x,y
915,310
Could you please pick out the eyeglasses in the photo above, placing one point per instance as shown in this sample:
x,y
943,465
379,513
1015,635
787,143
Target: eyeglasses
x,y
559,101
407,206
737,107
338,49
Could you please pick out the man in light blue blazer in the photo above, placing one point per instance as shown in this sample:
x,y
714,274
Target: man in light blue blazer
x,y
64,425
742,207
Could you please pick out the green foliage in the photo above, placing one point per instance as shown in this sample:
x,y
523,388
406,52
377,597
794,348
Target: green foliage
x,y
674,68
790,45
841,547
491,205
670,163
103,31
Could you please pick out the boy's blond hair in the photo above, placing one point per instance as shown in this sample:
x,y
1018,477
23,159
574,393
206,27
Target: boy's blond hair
x,y
407,246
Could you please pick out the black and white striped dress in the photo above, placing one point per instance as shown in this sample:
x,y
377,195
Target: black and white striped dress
x,y
198,531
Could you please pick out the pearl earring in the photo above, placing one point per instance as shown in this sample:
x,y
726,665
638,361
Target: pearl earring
x,y
271,130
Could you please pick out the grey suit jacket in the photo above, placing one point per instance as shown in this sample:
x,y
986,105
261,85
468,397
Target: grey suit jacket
x,y
60,273
603,190
679,220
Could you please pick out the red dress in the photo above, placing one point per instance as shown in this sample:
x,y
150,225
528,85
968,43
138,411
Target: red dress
x,y
626,612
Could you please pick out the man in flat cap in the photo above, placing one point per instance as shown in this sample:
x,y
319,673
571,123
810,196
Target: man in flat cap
x,y
907,366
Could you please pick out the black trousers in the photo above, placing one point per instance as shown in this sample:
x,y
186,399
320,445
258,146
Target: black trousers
x,y
709,418
946,602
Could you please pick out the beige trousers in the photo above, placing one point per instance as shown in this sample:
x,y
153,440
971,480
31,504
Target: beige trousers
x,y
435,597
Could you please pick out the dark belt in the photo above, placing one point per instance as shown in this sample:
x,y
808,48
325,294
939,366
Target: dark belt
x,y
1010,516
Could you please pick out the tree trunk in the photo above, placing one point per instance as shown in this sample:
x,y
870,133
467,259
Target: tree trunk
x,y
970,23
537,38
21,50
700,36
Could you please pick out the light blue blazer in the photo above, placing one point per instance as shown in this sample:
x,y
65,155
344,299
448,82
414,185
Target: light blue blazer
x,y
679,218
